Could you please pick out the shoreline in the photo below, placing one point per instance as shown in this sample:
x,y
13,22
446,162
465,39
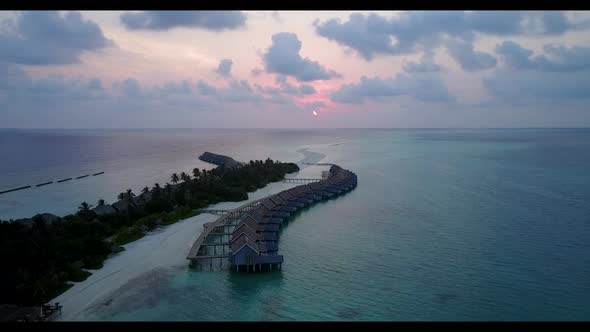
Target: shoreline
x,y
165,247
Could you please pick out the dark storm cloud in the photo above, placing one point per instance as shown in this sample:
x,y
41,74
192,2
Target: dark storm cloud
x,y
169,19
282,57
49,38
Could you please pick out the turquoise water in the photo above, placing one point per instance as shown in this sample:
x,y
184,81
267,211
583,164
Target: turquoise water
x,y
444,225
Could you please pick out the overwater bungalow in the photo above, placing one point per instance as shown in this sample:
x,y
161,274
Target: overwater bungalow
x,y
280,201
254,243
292,200
260,226
258,215
272,206
244,229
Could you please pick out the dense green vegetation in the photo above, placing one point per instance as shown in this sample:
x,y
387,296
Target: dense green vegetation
x,y
40,255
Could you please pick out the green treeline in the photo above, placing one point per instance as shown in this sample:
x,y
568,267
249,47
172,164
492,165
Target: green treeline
x,y
41,254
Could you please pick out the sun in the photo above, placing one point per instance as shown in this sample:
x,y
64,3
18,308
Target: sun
x,y
315,113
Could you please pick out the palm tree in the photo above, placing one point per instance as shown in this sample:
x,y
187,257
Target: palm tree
x,y
174,178
84,207
126,196
100,202
157,190
196,173
145,190
185,177
85,212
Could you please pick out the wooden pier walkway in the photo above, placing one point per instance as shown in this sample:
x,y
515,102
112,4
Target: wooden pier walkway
x,y
298,180
49,182
221,243
213,211
254,242
200,254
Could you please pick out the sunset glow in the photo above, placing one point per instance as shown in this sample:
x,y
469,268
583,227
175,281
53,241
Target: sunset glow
x,y
145,69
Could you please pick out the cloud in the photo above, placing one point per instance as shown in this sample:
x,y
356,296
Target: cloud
x,y
281,79
282,57
95,84
560,73
130,87
19,92
425,65
169,19
256,71
307,89
287,88
224,68
238,92
314,105
205,89
277,17
515,55
372,35
235,92
183,87
538,85
49,38
556,58
468,58
290,89
421,87
12,77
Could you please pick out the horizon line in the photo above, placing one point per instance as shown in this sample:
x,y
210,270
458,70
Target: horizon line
x,y
274,128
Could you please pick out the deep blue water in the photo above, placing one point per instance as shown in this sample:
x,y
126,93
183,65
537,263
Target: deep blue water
x,y
444,225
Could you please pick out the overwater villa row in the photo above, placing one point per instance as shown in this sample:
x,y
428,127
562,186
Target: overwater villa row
x,y
246,239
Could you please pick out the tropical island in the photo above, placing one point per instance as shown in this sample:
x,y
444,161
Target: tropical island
x,y
43,254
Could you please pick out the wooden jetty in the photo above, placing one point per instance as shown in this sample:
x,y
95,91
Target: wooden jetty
x,y
213,211
15,189
254,242
297,180
246,238
49,182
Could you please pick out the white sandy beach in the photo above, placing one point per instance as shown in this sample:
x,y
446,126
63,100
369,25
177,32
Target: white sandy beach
x,y
163,248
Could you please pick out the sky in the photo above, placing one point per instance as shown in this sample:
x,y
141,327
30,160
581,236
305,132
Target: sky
x,y
275,69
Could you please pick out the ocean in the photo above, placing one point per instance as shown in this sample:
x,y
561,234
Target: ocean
x,y
445,224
